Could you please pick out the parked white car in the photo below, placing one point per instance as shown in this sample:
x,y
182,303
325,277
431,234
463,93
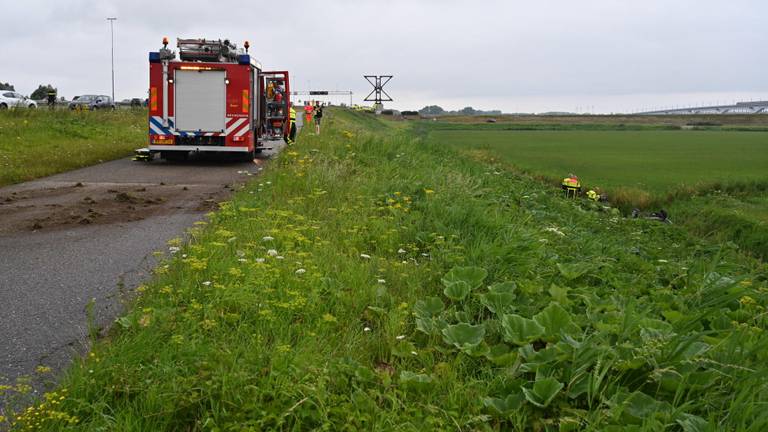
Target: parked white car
x,y
11,99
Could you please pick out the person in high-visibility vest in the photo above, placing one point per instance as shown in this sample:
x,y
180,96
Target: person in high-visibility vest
x,y
289,139
51,98
308,111
592,195
571,185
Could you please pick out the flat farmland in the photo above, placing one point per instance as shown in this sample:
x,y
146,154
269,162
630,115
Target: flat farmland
x,y
714,182
655,162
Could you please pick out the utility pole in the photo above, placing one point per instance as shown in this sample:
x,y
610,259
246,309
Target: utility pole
x,y
112,37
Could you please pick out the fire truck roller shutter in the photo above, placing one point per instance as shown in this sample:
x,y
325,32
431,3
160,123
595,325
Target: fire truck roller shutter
x,y
201,100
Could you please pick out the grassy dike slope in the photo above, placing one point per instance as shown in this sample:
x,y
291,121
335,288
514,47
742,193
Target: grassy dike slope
x,y
38,143
347,289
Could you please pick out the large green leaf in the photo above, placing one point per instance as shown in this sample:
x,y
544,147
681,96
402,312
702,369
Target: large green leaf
x,y
457,291
504,407
501,355
573,271
462,316
638,406
414,381
556,321
481,350
520,330
500,297
430,326
559,294
544,390
543,359
403,348
692,423
429,307
472,276
464,336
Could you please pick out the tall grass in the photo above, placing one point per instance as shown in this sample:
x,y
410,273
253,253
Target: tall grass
x,y
324,297
37,143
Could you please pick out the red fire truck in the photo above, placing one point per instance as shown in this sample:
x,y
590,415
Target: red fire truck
x,y
214,98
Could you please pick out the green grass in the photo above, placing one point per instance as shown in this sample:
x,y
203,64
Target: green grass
x,y
738,218
347,289
623,122
37,143
713,182
651,161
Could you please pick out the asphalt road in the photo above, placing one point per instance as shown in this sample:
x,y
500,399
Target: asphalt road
x,y
88,236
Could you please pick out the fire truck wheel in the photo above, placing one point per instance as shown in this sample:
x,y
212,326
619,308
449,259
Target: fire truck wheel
x,y
248,156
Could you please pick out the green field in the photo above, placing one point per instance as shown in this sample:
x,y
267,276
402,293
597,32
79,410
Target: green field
x,y
653,161
714,182
373,281
37,143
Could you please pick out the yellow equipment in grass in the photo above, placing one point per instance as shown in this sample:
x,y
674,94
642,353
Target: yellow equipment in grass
x,y
571,186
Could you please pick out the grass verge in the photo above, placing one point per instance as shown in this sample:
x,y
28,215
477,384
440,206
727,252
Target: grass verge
x,y
379,282
37,143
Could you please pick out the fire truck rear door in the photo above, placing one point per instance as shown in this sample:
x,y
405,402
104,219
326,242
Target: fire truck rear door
x,y
201,100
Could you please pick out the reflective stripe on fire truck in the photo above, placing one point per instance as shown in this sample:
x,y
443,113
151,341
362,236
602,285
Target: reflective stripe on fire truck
x,y
235,126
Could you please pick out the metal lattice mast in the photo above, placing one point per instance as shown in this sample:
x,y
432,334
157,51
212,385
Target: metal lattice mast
x,y
379,95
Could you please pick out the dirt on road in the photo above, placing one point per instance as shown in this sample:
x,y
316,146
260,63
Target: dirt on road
x,y
62,206
63,201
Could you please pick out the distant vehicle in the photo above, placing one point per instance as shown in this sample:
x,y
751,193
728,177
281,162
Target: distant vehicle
x,y
136,103
11,99
92,102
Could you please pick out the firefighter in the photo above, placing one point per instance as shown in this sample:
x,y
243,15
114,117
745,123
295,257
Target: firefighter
x,y
571,185
592,195
51,97
292,126
279,100
318,118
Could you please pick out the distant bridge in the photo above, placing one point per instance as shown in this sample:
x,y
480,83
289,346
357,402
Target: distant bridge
x,y
758,107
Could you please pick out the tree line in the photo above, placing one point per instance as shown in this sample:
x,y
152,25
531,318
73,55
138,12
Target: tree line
x,y
40,93
435,110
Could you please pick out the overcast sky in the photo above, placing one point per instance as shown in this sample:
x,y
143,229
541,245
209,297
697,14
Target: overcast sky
x,y
518,56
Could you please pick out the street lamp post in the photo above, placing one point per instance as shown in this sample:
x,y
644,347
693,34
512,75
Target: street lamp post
x,y
112,37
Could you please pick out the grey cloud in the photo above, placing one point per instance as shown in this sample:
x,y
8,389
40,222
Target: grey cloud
x,y
512,55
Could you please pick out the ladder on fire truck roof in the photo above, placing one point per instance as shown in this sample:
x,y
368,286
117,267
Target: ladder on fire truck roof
x,y
208,50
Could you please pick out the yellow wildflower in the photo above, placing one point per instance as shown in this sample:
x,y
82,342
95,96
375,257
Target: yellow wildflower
x,y
747,300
